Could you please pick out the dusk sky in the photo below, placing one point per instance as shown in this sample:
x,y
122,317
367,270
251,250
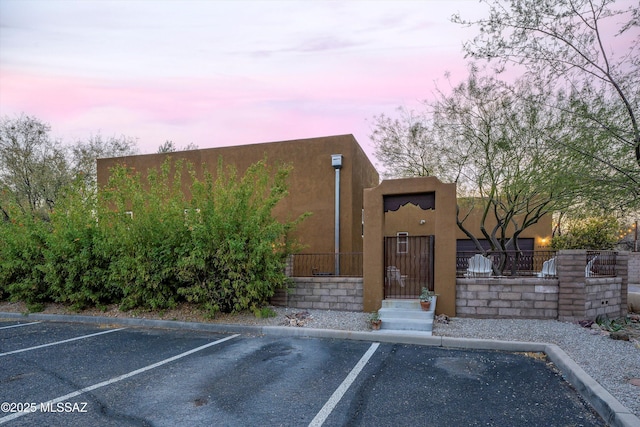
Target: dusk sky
x,y
219,73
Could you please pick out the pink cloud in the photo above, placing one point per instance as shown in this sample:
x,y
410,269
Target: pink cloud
x,y
222,110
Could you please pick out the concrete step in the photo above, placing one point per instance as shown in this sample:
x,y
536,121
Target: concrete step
x,y
407,325
403,313
406,315
408,303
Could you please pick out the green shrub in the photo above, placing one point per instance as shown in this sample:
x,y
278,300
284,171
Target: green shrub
x,y
236,257
22,263
143,243
77,261
144,227
588,233
265,313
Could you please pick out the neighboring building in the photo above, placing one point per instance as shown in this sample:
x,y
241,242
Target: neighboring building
x,y
535,237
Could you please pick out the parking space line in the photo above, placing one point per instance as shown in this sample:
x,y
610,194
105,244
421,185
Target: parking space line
x,y
328,407
60,342
18,325
118,378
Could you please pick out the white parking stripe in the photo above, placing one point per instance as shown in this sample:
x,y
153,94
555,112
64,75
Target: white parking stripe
x,y
116,379
60,342
18,325
342,389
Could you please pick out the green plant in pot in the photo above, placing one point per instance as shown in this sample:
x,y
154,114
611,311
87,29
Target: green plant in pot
x,y
375,321
425,298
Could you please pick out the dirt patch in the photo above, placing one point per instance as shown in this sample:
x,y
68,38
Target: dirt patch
x,y
183,312
281,316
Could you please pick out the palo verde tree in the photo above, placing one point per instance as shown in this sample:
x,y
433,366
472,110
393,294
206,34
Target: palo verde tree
x,y
496,139
405,145
588,52
492,139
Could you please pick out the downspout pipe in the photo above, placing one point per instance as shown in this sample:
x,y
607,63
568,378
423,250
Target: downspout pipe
x,y
336,162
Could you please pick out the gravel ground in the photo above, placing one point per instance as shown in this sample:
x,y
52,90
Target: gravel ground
x,y
611,363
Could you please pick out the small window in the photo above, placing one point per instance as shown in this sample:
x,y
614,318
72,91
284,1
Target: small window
x,y
402,245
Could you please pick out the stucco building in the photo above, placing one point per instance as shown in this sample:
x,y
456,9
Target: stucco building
x,y
311,182
407,225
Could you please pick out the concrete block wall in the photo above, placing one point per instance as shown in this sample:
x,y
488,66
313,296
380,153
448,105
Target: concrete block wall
x,y
570,297
583,297
602,297
326,293
570,266
634,268
506,297
623,273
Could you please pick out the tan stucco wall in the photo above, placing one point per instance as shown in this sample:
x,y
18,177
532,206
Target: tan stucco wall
x,y
440,223
311,182
409,219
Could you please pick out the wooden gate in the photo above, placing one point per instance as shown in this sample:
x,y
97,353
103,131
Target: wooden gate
x,y
408,265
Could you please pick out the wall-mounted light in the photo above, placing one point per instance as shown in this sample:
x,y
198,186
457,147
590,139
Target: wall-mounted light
x,y
423,222
336,161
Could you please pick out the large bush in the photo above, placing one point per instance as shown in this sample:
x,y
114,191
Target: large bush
x,y
237,251
152,241
23,236
143,228
77,257
588,233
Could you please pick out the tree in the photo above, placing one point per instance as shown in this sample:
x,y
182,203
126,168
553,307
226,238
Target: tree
x,y
405,145
492,139
33,169
169,147
496,138
85,153
589,233
565,45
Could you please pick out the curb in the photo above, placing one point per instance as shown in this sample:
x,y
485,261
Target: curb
x,y
607,406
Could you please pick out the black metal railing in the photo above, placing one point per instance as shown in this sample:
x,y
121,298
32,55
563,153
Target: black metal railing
x,y
345,264
509,263
600,264
408,266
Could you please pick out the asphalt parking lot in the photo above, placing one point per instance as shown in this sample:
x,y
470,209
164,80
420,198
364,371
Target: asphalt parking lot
x,y
66,374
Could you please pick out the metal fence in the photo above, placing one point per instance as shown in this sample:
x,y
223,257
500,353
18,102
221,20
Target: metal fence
x,y
531,263
408,266
600,264
345,264
509,263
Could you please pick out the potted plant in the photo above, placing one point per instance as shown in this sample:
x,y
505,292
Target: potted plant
x,y
425,299
375,321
